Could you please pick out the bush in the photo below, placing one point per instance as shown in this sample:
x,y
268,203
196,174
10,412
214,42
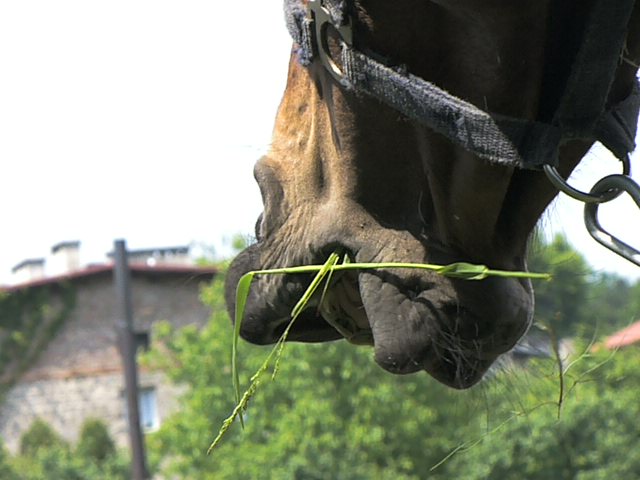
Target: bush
x,y
95,443
594,435
45,456
40,436
6,470
49,463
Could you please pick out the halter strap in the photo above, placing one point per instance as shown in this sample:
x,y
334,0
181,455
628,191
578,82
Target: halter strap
x,y
497,138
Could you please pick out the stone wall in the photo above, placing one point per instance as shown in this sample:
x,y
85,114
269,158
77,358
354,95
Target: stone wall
x,y
79,373
66,404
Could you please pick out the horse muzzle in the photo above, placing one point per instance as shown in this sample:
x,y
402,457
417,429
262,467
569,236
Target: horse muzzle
x,y
415,320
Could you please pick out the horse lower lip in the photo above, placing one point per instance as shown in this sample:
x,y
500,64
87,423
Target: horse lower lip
x,y
362,337
419,323
480,355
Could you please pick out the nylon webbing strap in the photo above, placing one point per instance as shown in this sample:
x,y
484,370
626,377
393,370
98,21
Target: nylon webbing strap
x,y
337,10
495,138
300,25
500,139
300,29
616,128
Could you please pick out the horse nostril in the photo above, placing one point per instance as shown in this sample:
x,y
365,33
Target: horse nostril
x,y
415,286
323,253
258,229
412,293
452,310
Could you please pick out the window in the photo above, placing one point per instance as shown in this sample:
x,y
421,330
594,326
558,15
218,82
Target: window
x,y
148,405
141,340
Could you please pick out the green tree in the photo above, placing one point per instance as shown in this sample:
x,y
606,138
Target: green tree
x,y
578,301
45,456
634,304
95,443
40,436
560,303
6,468
610,304
594,437
330,413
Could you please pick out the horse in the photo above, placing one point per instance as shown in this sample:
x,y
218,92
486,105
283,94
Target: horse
x,y
420,131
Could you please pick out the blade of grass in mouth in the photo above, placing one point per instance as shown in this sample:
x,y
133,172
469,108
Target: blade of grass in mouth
x,y
460,270
242,293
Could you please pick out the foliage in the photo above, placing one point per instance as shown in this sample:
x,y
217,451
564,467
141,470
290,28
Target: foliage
x,y
6,469
331,413
29,318
95,442
560,303
44,455
39,436
578,301
239,242
210,257
55,463
594,437
613,303
323,273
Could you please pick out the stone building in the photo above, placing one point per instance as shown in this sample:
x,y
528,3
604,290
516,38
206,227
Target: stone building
x,y
67,367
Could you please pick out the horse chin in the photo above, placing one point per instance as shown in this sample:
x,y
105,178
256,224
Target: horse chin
x,y
452,329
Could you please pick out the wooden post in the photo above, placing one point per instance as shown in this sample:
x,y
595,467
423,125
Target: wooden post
x,y
128,353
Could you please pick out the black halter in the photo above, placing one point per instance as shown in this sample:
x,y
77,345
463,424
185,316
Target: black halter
x,y
581,112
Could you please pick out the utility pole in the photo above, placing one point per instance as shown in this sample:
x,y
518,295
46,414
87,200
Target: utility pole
x,y
128,353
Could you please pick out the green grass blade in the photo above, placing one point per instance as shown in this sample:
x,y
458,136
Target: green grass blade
x,y
465,271
327,283
324,270
460,270
237,412
242,293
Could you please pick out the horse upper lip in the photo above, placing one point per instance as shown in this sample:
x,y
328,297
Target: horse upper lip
x,y
415,320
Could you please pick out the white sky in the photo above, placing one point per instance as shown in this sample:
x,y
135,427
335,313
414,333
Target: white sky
x,y
142,119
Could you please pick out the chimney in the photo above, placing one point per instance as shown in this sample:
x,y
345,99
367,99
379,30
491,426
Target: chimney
x,y
153,257
65,257
28,270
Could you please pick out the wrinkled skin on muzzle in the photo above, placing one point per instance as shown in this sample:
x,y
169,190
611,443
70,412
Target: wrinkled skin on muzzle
x,y
348,174
415,320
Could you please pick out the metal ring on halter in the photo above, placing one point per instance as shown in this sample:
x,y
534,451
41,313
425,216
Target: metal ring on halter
x,y
561,184
620,183
322,19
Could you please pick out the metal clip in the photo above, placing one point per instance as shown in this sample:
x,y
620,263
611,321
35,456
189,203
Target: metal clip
x,y
618,183
322,20
605,196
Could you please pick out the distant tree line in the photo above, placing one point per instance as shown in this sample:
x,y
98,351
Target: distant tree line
x,y
578,301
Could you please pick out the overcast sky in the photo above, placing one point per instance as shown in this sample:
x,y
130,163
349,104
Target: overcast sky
x,y
142,120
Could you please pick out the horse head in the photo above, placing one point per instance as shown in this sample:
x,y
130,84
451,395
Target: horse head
x,y
347,171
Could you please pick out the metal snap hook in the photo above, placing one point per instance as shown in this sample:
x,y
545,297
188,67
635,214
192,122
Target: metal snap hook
x,y
619,184
322,20
592,197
